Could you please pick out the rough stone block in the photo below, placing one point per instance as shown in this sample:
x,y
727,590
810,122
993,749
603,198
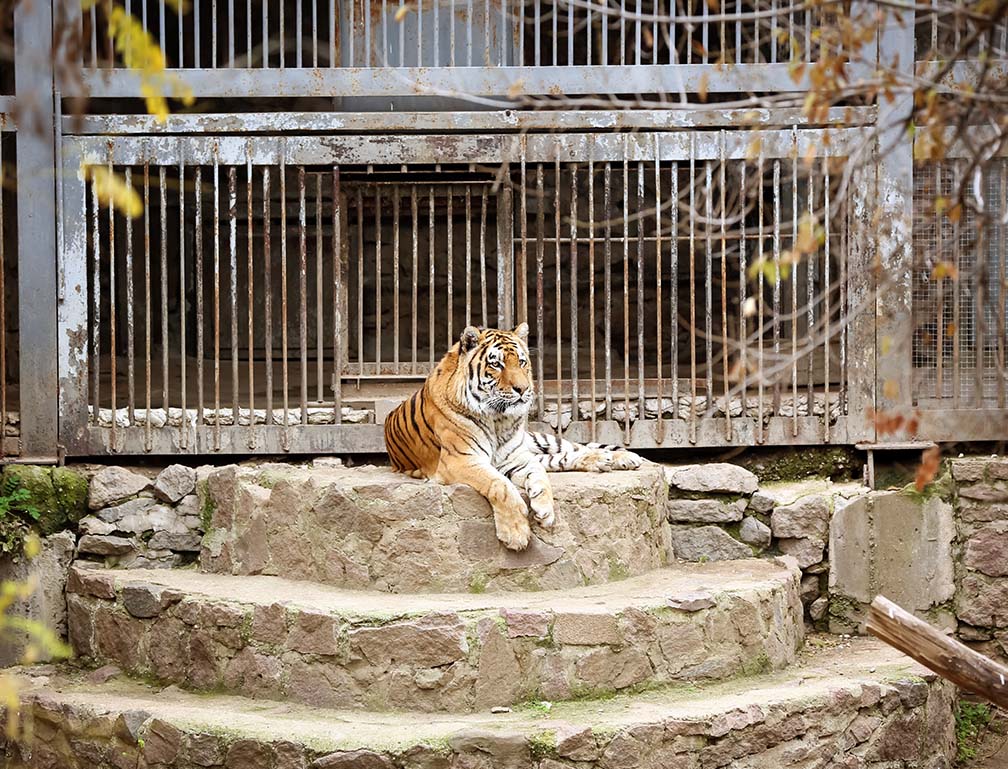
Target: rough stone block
x,y
717,477
705,510
807,551
107,545
987,550
114,484
754,532
710,543
807,517
174,482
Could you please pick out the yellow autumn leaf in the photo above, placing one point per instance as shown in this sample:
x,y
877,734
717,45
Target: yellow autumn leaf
x,y
703,86
403,12
808,239
179,6
944,270
753,150
113,190
31,546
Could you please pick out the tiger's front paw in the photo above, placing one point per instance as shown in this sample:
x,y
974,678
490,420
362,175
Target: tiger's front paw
x,y
604,460
541,502
626,460
511,522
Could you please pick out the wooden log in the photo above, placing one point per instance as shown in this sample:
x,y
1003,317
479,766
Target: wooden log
x,y
944,655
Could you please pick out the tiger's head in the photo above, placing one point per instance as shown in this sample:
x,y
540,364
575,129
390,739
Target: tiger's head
x,y
497,369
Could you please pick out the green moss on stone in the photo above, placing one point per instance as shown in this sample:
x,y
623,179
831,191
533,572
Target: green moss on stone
x,y
542,744
617,570
837,463
207,506
478,583
971,719
59,495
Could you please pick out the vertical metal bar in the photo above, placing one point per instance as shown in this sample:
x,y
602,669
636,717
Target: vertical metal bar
x,y
395,276
231,34
419,12
940,320
378,282
430,283
574,309
337,257
266,34
334,31
94,39
591,268
216,299
437,35
199,305
402,35
314,29
773,32
451,269
641,218
416,257
556,56
468,257
607,281
298,34
705,41
724,300
319,313
164,286
540,330
1002,364
827,293
674,289
162,31
482,250
213,36
303,293
738,37
283,35
469,30
268,292
523,253
130,381
183,380
709,287
486,33
777,284
360,280
637,35
626,287
3,301
604,56
233,283
622,32
810,295
570,39
521,31
248,47
95,304
250,278
743,331
692,286
113,290
147,312
794,279
558,306
352,34
760,368
451,32
504,32
197,58
284,362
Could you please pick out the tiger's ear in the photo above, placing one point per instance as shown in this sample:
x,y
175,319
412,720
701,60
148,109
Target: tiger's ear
x,y
522,330
469,338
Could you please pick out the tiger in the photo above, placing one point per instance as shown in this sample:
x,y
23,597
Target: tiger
x,y
467,424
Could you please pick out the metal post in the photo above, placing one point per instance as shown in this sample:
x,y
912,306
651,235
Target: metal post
x,y
36,159
894,332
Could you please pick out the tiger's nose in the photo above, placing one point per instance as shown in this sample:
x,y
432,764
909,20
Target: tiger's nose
x,y
518,390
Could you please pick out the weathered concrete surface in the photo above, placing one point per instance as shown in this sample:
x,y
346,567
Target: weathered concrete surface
x,y
47,571
828,712
367,527
268,637
895,544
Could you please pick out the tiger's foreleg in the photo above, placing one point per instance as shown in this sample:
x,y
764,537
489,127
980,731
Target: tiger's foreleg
x,y
510,512
532,477
560,455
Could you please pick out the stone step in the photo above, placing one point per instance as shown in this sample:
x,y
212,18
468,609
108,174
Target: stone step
x,y
267,637
858,705
368,527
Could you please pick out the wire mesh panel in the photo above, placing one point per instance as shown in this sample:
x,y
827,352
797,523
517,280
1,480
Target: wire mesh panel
x,y
265,297
960,295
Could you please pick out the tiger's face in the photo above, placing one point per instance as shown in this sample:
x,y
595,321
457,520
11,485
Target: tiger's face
x,y
498,369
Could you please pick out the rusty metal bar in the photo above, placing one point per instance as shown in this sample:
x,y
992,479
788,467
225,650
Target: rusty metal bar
x,y
431,249
284,358
413,315
1002,364
558,306
113,290
777,285
940,320
3,311
360,281
523,252
233,283
794,283
303,291
250,278
216,300
248,62
231,36
724,297
268,293
468,251
810,296
130,373
708,287
575,401
692,289
827,294
641,219
334,31
626,277
378,281
451,269
482,252
213,38
337,225
199,306
395,276
163,190
761,370
743,331
956,298
540,225
319,312
266,39
659,264
183,381
147,308
674,288
197,58
591,269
